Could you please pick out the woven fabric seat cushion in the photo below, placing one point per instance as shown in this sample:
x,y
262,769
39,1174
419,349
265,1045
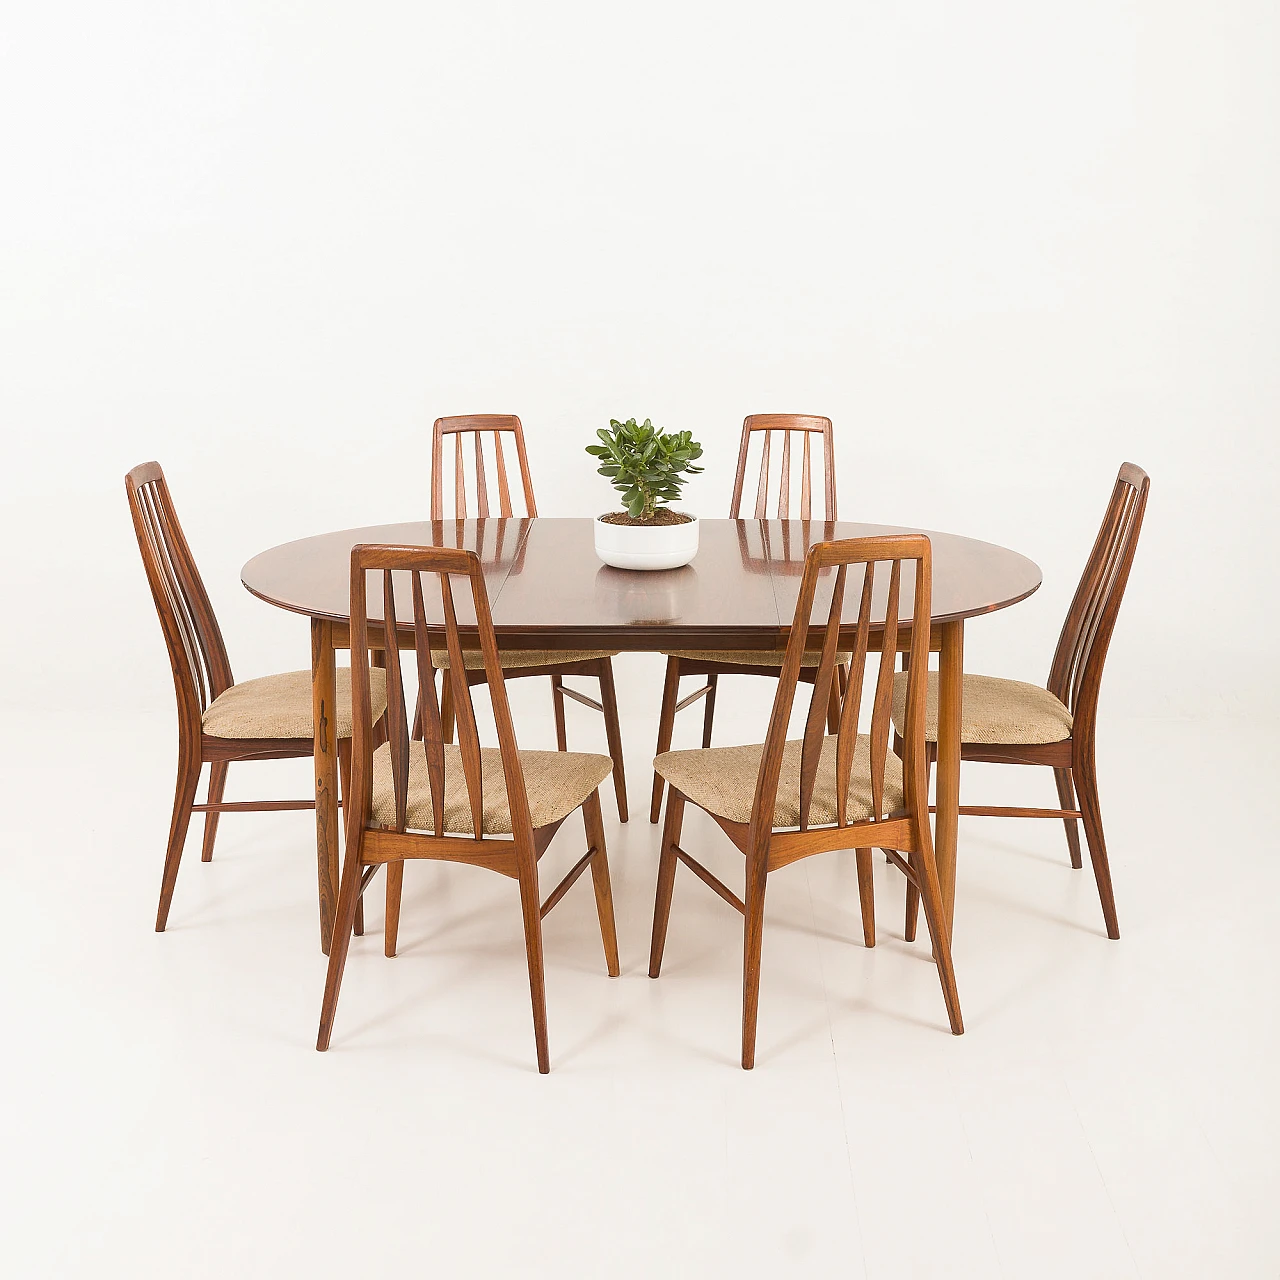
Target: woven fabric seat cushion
x,y
773,658
994,711
473,659
280,706
556,782
722,780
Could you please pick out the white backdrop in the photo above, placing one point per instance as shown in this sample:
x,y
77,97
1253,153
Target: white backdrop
x,y
1003,246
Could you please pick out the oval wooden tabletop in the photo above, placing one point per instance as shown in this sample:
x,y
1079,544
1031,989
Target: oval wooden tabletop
x,y
547,589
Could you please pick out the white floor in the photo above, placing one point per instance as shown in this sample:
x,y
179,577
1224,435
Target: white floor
x,y
1111,1110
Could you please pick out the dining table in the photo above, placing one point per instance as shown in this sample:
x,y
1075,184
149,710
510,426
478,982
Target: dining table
x,y
548,590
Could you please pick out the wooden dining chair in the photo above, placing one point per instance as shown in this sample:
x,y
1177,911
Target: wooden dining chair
x,y
468,469
785,800
1009,722
713,663
485,806
219,721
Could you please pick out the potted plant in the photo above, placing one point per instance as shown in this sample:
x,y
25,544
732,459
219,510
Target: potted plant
x,y
648,467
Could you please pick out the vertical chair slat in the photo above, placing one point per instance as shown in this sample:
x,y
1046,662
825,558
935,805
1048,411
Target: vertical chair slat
x,y
1102,596
397,718
762,490
513,772
464,712
1066,656
504,491
819,703
806,484
784,480
432,729
847,736
882,707
459,481
482,486
183,614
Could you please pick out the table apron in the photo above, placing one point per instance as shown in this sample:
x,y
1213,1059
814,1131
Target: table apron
x,y
630,641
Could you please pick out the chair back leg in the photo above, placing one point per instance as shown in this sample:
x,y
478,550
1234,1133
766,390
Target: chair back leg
x,y
666,721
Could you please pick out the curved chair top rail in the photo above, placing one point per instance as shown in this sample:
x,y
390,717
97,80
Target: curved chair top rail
x,y
480,426
787,424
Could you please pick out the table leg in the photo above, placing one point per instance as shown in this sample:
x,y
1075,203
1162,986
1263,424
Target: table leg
x,y
946,827
323,680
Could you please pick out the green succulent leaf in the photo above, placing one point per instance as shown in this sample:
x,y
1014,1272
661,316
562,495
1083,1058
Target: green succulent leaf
x,y
647,465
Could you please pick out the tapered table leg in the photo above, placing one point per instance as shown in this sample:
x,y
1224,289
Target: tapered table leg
x,y
323,680
946,828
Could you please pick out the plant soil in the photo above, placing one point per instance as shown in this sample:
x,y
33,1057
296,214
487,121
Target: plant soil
x,y
663,515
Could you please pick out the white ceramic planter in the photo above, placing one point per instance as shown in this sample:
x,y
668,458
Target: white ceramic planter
x,y
654,546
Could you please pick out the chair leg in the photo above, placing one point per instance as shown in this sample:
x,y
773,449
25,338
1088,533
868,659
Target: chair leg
x,y
391,920
594,824
666,721
530,906
752,943
709,711
935,919
1086,782
867,897
666,879
184,797
344,781
446,708
834,703
557,704
1067,800
348,898
217,782
913,903
613,731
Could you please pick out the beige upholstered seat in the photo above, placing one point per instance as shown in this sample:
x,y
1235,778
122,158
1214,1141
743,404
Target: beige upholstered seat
x,y
750,657
995,711
556,782
722,780
473,660
280,706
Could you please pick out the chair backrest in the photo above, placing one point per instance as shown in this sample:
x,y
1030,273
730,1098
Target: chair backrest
x,y
467,474
764,426
405,580
197,654
1076,673
879,588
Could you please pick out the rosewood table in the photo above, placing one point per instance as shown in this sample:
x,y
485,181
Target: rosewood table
x,y
547,590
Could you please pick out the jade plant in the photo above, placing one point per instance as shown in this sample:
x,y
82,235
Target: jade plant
x,y
646,465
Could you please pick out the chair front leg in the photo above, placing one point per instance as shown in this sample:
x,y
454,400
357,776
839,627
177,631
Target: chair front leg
x,y
348,898
531,908
666,722
217,783
867,897
752,945
1067,800
184,796
666,879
